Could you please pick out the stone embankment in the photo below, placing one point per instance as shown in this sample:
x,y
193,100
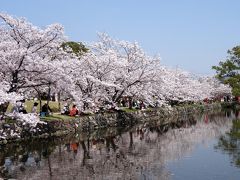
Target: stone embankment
x,y
104,120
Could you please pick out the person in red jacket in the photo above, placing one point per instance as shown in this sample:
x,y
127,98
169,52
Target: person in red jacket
x,y
73,111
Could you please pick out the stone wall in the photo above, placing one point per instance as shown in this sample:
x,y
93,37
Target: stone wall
x,y
124,119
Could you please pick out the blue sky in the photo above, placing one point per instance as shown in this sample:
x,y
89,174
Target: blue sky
x,y
190,34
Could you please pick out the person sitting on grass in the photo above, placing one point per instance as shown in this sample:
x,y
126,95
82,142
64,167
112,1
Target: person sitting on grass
x,y
22,108
73,111
34,108
65,110
16,107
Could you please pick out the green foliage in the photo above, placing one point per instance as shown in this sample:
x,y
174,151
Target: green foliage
x,y
228,70
74,47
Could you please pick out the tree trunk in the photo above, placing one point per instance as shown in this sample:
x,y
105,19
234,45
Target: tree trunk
x,y
130,104
3,109
131,141
40,103
14,83
49,93
59,101
40,99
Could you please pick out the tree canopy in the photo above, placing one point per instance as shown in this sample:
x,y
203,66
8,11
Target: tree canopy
x,y
228,71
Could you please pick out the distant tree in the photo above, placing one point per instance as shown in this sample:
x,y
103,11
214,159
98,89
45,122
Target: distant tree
x,y
77,48
228,71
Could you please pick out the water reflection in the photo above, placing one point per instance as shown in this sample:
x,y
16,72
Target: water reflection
x,y
139,152
230,142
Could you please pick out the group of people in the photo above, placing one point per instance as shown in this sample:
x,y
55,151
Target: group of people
x,y
71,112
46,110
19,107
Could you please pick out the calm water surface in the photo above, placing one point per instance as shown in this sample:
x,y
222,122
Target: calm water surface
x,y
201,147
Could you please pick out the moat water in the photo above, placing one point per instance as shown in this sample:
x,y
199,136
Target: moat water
x,y
198,147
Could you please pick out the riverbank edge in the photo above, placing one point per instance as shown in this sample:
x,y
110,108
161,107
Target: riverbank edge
x,y
58,128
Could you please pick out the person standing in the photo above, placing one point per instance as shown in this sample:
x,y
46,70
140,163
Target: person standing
x,y
45,110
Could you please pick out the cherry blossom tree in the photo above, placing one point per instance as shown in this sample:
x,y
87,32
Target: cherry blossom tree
x,y
29,54
114,69
32,58
7,97
213,87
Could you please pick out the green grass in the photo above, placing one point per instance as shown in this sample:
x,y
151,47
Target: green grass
x,y
57,117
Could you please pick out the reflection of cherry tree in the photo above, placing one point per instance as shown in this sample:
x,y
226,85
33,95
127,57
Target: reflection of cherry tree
x,y
141,152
